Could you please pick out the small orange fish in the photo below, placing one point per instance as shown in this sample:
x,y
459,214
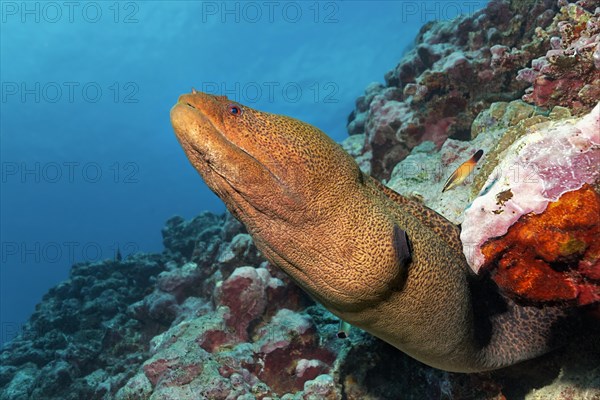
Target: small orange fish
x,y
465,169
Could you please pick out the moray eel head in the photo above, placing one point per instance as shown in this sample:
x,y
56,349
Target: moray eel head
x,y
289,184
253,152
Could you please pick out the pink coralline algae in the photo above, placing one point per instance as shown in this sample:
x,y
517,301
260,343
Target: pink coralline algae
x,y
282,357
290,333
244,292
239,348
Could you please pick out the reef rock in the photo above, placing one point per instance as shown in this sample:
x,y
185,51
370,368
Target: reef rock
x,y
455,70
248,334
569,73
81,341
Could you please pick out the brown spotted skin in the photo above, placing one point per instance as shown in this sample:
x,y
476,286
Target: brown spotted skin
x,y
335,231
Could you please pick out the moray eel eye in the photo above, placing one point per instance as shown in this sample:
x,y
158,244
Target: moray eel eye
x,y
234,109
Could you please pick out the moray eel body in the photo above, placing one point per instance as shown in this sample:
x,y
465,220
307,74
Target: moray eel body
x,y
382,262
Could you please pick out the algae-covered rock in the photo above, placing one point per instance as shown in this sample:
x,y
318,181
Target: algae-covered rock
x,y
569,73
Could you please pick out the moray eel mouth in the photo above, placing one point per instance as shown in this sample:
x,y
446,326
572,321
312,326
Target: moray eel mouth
x,y
205,127
199,129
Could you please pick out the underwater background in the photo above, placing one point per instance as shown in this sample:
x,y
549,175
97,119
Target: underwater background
x,y
89,160
123,277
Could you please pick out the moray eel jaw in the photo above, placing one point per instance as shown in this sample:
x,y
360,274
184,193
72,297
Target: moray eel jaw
x,y
286,180
228,170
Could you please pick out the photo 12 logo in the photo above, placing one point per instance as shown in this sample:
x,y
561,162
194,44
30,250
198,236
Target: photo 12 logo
x,y
289,92
69,172
68,253
69,92
424,11
325,12
52,12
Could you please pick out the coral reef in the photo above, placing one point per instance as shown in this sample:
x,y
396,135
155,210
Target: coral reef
x,y
455,70
125,330
81,341
529,163
569,73
427,104
421,175
209,318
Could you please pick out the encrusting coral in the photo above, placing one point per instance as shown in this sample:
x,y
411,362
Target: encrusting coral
x,y
551,159
552,256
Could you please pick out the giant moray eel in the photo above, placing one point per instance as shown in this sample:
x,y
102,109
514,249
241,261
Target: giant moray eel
x,y
378,260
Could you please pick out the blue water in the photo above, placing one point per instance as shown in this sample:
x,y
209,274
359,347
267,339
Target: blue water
x,y
89,160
